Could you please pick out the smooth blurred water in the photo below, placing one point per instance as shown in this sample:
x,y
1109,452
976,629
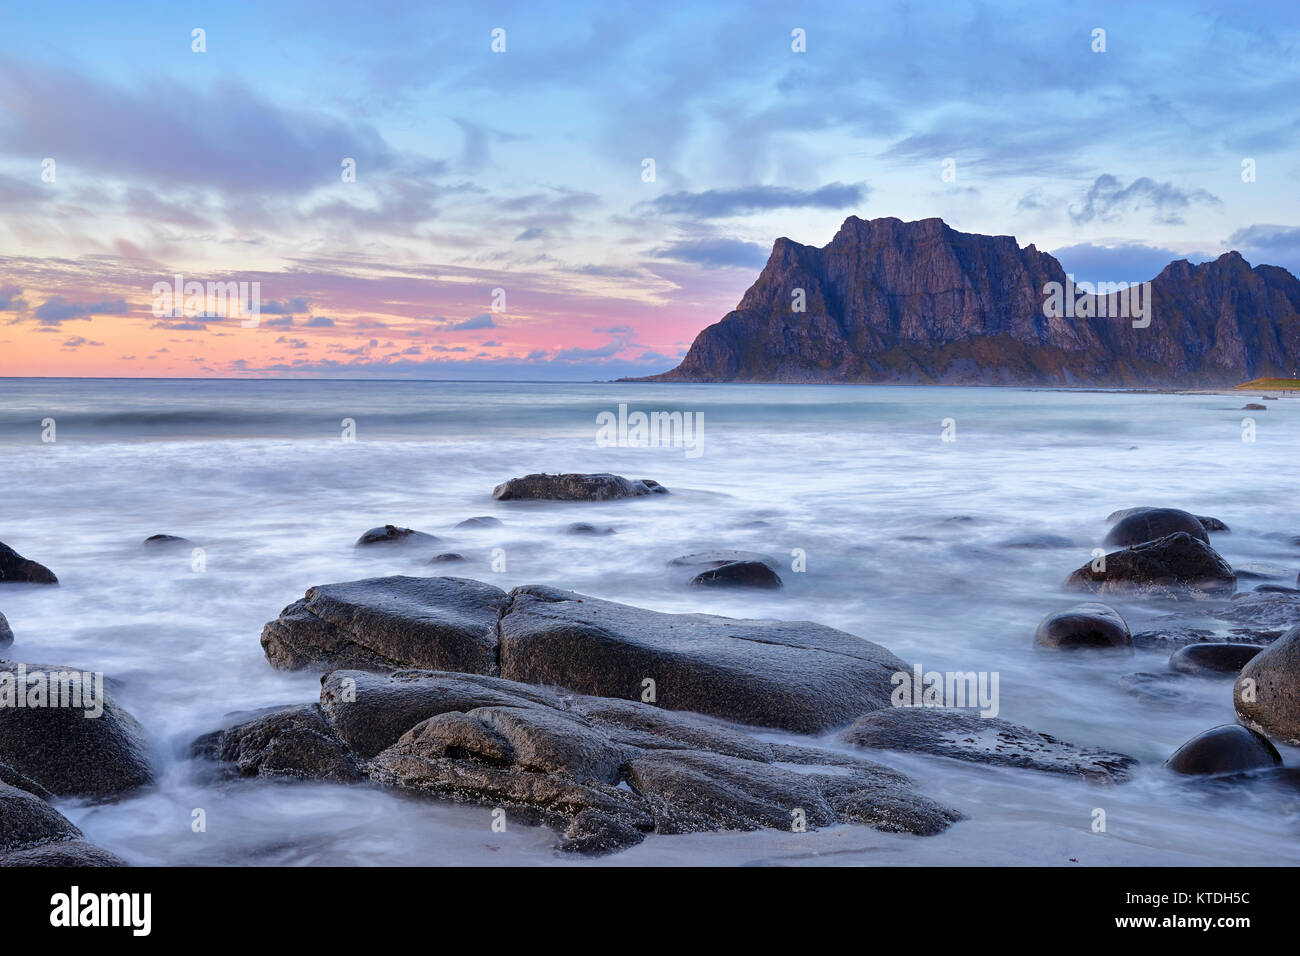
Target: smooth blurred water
x,y
948,553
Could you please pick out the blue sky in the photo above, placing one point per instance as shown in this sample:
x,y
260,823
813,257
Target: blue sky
x,y
523,170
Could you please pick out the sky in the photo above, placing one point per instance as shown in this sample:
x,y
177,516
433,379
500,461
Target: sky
x,y
574,190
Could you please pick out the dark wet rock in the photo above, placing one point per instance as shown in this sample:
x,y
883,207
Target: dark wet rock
x,y
1276,589
369,711
582,527
167,542
876,799
720,556
1213,660
1177,566
1164,688
1090,625
646,727
1207,522
1149,524
1228,749
1266,694
449,557
15,569
601,772
593,833
389,623
575,487
460,757
26,820
1163,638
1261,610
792,675
738,574
391,534
23,782
59,747
965,735
68,853
1254,407
693,791
33,833
6,632
480,521
288,742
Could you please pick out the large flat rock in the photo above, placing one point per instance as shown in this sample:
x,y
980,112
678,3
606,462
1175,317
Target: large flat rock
x,y
602,772
385,624
792,675
965,735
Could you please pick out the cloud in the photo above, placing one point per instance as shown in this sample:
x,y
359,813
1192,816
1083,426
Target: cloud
x,y
78,341
11,299
294,306
1108,201
1123,262
720,203
715,253
1269,245
481,321
319,322
169,134
57,309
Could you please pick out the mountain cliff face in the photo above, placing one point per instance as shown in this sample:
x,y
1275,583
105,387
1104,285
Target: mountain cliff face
x,y
919,302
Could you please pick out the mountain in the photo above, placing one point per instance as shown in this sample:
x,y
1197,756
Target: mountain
x,y
920,302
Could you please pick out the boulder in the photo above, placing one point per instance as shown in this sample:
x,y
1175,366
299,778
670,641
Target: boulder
x,y
582,527
167,542
720,556
965,735
64,854
369,712
33,833
1207,522
738,574
1177,566
287,742
1266,694
601,772
480,521
1254,407
62,748
1089,625
1148,524
26,820
391,534
449,557
1213,659
15,569
575,487
388,623
6,632
791,675
1228,749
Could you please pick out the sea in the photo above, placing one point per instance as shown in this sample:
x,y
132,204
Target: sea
x,y
940,522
